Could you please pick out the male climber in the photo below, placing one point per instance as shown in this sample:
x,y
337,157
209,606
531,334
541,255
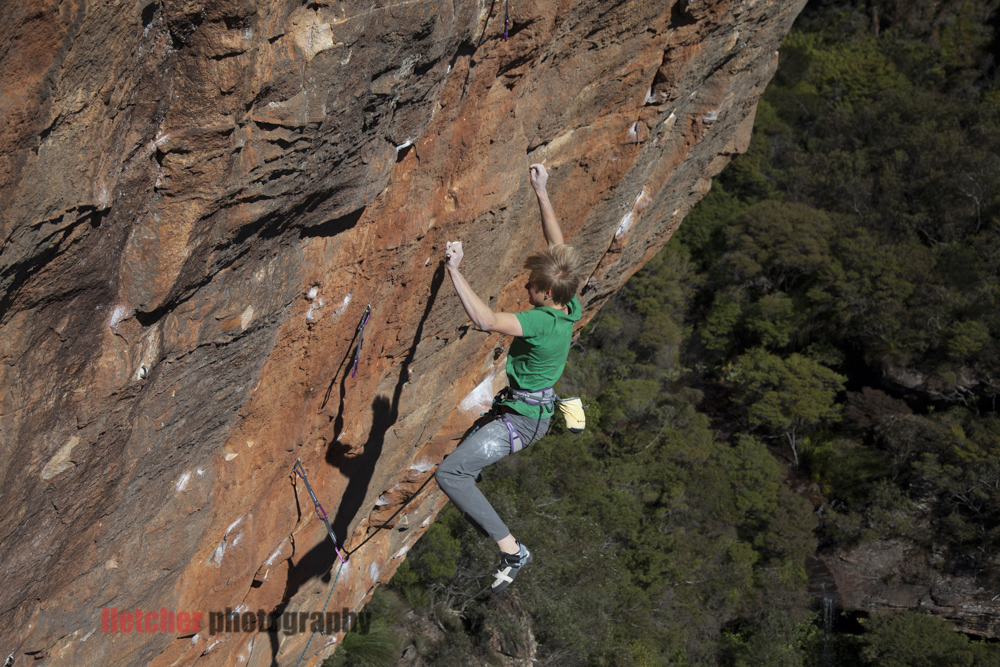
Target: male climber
x,y
535,361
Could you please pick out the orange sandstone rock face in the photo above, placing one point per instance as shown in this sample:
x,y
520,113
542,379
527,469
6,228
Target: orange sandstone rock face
x,y
199,201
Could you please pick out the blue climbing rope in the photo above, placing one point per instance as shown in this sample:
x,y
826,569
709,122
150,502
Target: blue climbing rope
x,y
322,613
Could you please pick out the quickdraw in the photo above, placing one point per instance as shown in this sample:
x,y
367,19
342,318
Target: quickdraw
x,y
320,512
361,337
506,18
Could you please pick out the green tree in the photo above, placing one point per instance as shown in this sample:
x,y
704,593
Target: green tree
x,y
787,396
912,639
965,476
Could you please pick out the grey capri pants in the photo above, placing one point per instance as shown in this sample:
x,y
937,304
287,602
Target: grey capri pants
x,y
458,472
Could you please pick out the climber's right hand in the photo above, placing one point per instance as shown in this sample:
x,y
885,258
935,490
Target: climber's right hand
x,y
453,254
538,176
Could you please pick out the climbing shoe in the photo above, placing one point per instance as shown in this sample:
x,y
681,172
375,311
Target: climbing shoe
x,y
510,565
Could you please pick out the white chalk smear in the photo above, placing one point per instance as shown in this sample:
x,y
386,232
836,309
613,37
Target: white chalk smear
x,y
233,525
220,551
480,398
641,204
117,315
625,225
422,466
311,315
277,552
343,306
246,318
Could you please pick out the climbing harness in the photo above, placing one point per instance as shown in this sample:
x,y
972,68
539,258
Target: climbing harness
x,y
570,408
320,512
541,397
514,435
506,18
361,337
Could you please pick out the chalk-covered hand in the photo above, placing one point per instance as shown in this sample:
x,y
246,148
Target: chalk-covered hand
x,y
538,176
453,254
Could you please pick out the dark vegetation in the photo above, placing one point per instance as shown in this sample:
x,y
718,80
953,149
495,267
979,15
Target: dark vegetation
x,y
812,362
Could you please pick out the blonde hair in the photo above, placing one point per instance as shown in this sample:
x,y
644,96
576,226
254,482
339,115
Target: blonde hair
x,y
558,268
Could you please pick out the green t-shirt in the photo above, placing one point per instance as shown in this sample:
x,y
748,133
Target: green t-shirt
x,y
538,356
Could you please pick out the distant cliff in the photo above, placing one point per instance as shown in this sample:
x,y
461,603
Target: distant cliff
x,y
199,199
